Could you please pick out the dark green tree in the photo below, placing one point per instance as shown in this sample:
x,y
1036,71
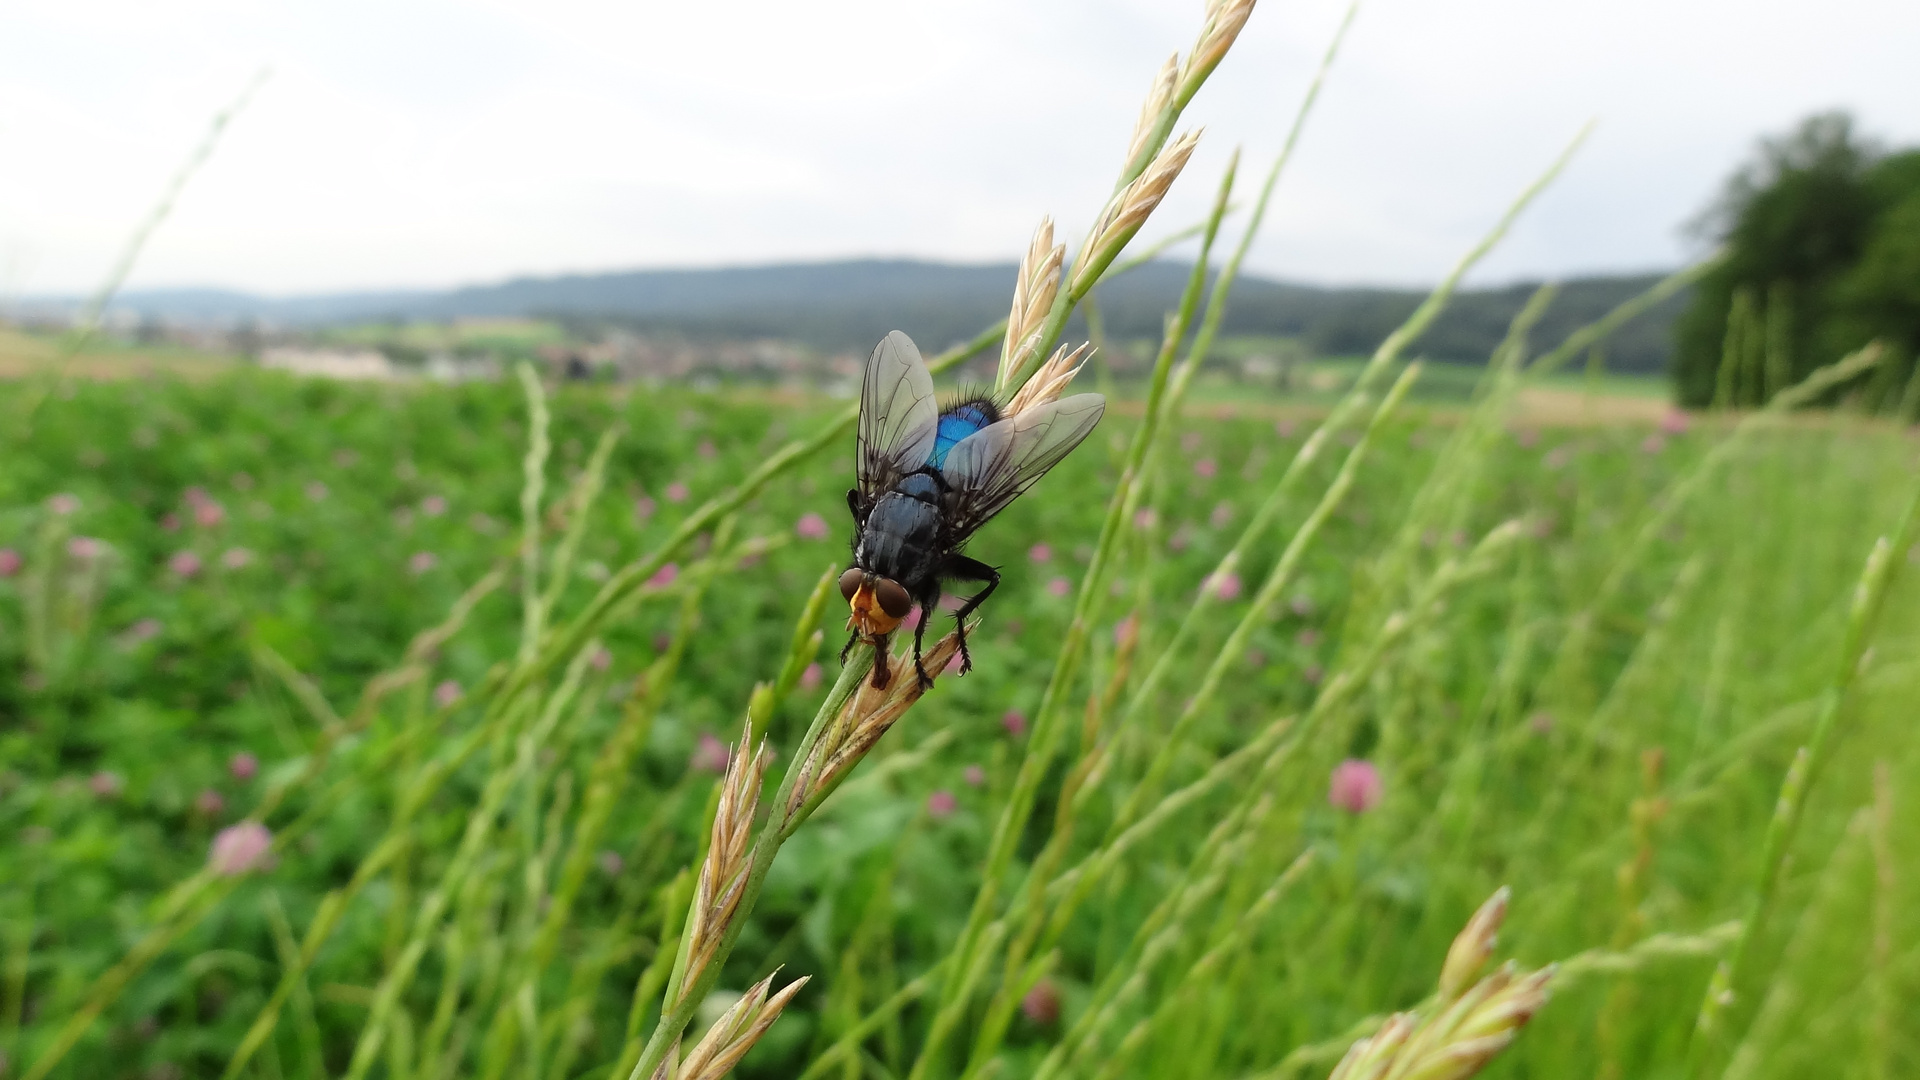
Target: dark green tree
x,y
1820,236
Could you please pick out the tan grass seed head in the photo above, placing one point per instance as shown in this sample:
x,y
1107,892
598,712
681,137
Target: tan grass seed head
x,y
1473,945
1033,295
735,1033
1051,380
1130,209
868,714
1225,20
1470,1022
723,873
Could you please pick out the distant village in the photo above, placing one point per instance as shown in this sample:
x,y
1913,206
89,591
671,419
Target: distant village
x,y
466,350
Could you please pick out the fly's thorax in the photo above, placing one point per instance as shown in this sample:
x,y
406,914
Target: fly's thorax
x,y
901,537
925,487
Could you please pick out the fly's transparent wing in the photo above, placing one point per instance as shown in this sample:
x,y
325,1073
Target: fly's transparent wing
x,y
990,468
897,415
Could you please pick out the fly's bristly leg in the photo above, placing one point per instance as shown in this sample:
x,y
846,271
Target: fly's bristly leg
x,y
961,568
929,600
852,639
882,673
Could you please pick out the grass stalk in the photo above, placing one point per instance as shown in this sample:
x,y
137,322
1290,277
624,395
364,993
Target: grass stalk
x,y
1884,1022
1382,359
136,242
479,828
1869,597
534,468
1204,970
1046,723
683,996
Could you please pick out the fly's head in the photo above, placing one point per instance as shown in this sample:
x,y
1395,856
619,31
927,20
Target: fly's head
x,y
877,604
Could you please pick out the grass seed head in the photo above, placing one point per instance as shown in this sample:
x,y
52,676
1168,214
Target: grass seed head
x,y
1473,945
1129,210
723,873
1033,294
1164,82
868,714
1051,380
735,1033
1471,1022
1225,20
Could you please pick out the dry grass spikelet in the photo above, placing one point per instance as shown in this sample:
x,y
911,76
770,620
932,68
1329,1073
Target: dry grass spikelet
x,y
723,874
1164,82
1051,380
1129,210
1033,295
1474,945
1467,1026
735,1033
1225,19
866,716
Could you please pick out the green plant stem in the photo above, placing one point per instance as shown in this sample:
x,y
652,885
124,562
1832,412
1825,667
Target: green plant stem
x,y
1230,272
479,827
1669,503
1047,725
673,901
1869,597
1574,969
847,1043
534,468
96,308
1080,281
187,902
294,967
683,1000
1264,602
1206,968
1376,367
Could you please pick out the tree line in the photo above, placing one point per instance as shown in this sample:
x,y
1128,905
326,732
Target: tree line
x,y
1819,239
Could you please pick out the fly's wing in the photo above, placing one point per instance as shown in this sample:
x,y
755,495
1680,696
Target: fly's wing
x,y
990,468
897,415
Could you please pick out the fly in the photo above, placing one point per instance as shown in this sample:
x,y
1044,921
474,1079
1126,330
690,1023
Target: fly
x,y
926,480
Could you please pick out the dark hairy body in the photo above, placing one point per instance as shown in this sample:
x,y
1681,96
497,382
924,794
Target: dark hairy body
x,y
904,537
927,478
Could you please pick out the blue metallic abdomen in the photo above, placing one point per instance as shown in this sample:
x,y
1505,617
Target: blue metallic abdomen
x,y
957,423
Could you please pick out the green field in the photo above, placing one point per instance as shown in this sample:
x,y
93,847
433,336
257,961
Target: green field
x,y
1581,659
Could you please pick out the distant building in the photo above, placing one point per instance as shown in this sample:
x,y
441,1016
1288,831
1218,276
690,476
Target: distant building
x,y
328,363
446,367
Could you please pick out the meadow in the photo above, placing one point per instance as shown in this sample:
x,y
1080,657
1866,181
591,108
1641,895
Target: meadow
x,y
496,729
1595,708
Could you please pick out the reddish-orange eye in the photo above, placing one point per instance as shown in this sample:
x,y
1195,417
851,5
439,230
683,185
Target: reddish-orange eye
x,y
850,583
893,599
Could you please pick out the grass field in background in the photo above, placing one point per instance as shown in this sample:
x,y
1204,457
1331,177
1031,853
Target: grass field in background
x,y
1595,706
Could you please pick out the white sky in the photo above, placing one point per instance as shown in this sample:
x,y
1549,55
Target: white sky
x,y
426,143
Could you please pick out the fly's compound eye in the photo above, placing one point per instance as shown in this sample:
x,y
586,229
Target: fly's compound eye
x,y
850,583
893,599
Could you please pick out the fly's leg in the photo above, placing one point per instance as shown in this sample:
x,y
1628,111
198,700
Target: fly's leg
x,y
881,673
882,670
928,598
962,568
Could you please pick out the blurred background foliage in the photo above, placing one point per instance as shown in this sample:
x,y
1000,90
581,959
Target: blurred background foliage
x,y
1821,235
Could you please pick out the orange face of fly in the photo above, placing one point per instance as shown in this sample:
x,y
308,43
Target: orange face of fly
x,y
877,604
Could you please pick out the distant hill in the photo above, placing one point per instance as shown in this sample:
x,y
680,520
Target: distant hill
x,y
842,306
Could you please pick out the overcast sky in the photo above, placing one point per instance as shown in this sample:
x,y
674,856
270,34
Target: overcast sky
x,y
431,144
